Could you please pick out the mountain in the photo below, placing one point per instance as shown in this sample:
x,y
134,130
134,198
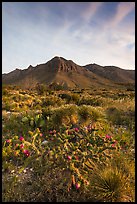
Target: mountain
x,y
113,73
70,75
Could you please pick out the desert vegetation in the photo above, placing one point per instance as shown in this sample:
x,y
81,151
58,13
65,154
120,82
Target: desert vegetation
x,y
68,145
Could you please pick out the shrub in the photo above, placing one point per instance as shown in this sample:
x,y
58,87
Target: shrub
x,y
75,98
61,167
65,96
88,114
52,101
93,101
68,153
113,181
41,89
64,115
119,117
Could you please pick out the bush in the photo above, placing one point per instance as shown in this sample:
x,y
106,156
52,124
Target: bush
x,y
41,89
52,101
88,114
61,166
119,117
65,96
93,101
113,181
75,98
68,153
64,115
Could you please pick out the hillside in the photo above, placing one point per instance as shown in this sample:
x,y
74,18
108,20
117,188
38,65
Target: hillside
x,y
69,74
113,73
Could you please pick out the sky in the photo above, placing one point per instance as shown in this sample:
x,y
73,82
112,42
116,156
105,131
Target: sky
x,y
85,32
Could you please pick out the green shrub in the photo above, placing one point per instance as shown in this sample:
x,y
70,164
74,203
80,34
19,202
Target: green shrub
x,y
63,115
88,114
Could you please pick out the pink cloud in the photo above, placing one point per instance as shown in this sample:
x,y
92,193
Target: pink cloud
x,y
123,9
91,10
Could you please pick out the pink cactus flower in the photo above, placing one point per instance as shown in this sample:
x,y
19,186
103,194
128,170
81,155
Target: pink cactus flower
x,y
22,146
86,128
76,129
108,136
40,134
50,132
26,152
113,145
21,138
8,141
77,186
17,145
69,157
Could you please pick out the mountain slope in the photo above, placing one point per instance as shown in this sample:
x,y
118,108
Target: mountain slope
x,y
113,73
69,74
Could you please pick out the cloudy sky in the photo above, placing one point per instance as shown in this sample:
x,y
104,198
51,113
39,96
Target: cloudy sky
x,y
85,32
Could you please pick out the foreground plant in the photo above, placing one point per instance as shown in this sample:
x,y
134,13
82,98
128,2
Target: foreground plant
x,y
114,181
72,152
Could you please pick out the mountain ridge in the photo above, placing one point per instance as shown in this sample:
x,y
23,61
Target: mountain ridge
x,y
63,71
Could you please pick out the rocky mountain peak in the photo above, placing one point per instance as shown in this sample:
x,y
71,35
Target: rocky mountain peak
x,y
65,71
59,64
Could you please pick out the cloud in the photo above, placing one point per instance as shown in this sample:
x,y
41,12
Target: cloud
x,y
74,31
91,10
123,9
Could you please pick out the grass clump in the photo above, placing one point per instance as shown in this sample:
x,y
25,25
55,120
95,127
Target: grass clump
x,y
114,181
